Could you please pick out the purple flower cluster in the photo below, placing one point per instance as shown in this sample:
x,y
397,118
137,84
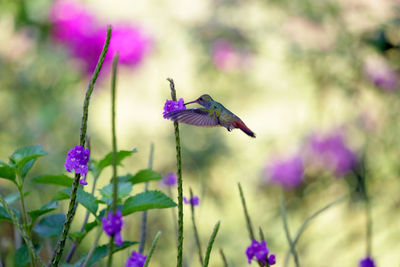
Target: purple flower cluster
x,y
260,252
332,153
381,74
78,29
136,260
367,262
169,179
112,225
194,201
171,105
287,172
77,159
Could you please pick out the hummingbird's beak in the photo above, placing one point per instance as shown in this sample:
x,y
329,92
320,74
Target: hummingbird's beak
x,y
195,101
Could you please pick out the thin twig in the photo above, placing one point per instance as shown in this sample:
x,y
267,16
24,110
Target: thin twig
x,y
180,187
210,244
144,214
152,248
72,204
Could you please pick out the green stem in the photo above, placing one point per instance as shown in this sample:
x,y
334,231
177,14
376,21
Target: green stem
x,y
114,157
196,233
152,248
92,249
286,228
144,214
22,230
210,244
246,213
180,188
72,204
223,257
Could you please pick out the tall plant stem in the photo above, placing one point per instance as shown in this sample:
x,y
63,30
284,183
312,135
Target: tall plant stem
x,y
114,157
246,213
210,244
196,233
22,230
286,228
180,190
72,204
144,214
152,248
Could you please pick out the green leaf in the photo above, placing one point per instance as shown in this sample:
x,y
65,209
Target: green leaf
x,y
21,156
107,160
5,216
124,189
102,251
13,197
49,207
141,176
7,172
61,179
147,200
50,225
26,168
86,199
78,236
21,256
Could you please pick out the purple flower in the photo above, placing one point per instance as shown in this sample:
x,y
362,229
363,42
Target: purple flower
x,y
78,29
112,225
136,260
381,74
367,262
169,179
286,172
260,252
171,105
332,153
194,201
77,159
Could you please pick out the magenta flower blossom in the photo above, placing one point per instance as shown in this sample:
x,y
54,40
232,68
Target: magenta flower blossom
x,y
381,74
367,262
169,179
77,159
78,29
136,260
112,225
286,172
194,201
226,57
332,153
171,105
260,252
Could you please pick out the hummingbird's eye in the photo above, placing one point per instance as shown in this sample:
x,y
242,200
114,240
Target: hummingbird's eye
x,y
200,98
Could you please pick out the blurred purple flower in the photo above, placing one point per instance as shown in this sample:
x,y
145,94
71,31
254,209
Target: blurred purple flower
x,y
136,260
112,225
171,105
367,262
287,172
169,179
77,159
194,201
226,57
260,252
75,27
332,153
381,74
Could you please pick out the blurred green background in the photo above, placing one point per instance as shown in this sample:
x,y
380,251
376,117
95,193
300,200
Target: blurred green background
x,y
288,69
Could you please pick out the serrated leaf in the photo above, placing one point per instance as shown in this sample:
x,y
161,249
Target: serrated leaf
x,y
124,189
50,225
107,160
147,200
7,172
61,179
22,155
49,207
141,176
86,199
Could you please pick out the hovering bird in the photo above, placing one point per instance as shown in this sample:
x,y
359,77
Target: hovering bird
x,y
213,114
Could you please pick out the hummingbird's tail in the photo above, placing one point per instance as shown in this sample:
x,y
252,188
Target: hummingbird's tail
x,y
244,128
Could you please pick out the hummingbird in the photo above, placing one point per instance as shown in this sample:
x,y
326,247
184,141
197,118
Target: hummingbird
x,y
213,114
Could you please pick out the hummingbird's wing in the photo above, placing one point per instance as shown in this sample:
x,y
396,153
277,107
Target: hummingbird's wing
x,y
195,116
